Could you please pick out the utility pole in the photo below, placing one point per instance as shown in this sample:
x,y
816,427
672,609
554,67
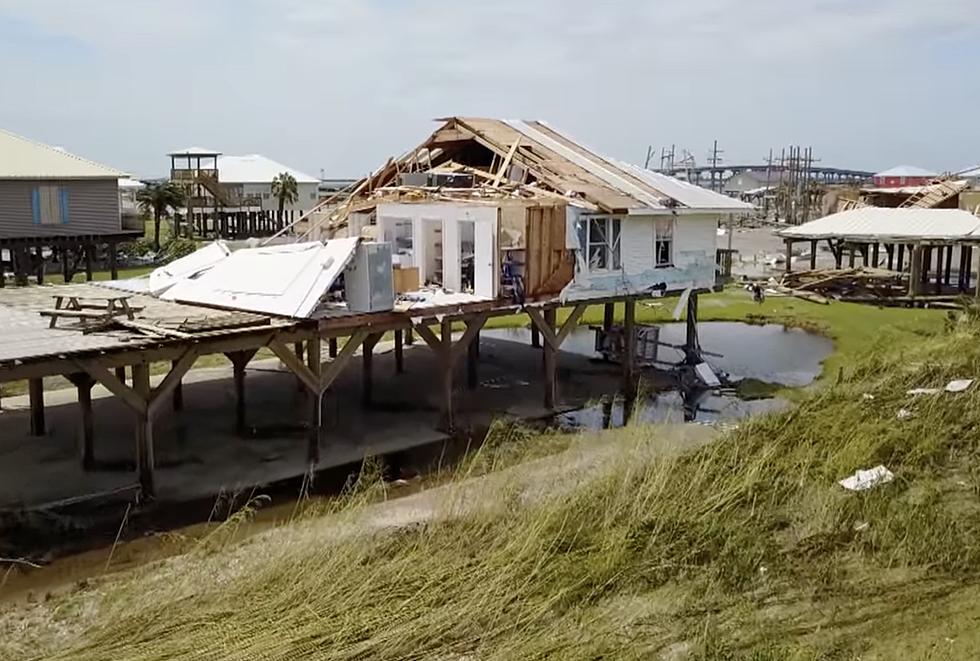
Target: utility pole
x,y
650,153
714,160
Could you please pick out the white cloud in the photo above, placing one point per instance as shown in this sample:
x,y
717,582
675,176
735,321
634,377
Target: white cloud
x,y
340,84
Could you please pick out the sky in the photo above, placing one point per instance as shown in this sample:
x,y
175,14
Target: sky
x,y
340,85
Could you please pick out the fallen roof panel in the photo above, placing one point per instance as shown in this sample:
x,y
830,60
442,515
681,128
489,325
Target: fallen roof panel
x,y
287,280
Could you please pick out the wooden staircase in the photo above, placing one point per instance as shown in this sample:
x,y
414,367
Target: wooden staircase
x,y
931,196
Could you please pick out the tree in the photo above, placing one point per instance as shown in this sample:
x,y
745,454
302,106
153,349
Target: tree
x,y
284,189
156,199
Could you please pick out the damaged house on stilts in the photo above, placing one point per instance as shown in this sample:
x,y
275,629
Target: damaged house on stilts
x,y
485,218
516,213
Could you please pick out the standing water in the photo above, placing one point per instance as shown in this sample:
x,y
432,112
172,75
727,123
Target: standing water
x,y
769,354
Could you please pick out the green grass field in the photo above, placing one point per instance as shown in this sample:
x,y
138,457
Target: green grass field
x,y
745,548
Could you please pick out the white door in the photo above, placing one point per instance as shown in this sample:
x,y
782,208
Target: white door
x,y
484,268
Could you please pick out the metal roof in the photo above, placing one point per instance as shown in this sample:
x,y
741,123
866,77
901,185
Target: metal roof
x,y
256,169
287,280
883,224
571,166
22,158
907,171
194,151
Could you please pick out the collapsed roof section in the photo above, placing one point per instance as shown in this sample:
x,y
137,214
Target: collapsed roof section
x,y
493,159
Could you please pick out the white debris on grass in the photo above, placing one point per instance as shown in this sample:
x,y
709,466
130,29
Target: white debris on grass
x,y
923,391
904,414
959,385
866,479
867,396
956,385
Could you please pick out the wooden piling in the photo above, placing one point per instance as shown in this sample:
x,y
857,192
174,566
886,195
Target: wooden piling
x,y
399,352
35,390
629,348
550,361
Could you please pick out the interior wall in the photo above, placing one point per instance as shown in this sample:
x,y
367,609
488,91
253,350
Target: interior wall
x,y
446,216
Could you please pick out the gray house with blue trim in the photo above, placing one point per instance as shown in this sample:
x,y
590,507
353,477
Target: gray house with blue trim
x,y
54,202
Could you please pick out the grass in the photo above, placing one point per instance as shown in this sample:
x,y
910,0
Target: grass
x,y
632,545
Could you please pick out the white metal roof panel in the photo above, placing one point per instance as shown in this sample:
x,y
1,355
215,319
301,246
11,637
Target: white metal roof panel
x,y
287,280
651,190
22,158
194,151
877,223
256,169
687,194
166,276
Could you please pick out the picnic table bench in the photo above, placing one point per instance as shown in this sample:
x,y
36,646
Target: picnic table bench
x,y
90,310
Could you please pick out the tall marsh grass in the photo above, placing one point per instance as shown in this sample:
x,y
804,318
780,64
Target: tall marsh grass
x,y
617,549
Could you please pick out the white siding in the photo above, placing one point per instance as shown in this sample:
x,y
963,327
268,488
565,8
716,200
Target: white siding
x,y
307,196
693,256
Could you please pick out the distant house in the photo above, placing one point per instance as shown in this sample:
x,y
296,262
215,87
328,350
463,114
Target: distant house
x,y
239,182
749,181
903,175
53,200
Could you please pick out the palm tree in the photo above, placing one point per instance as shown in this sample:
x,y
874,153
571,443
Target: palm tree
x,y
284,189
156,199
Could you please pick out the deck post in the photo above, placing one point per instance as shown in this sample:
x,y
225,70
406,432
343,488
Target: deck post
x,y
608,315
875,253
949,264
789,255
446,337
850,255
629,349
316,400
473,363
939,269
121,374
144,432
901,258
550,360
298,350
967,268
332,347
239,361
113,270
813,255
65,270
409,336
535,337
692,352
86,428
399,351
890,251
36,397
177,397
915,266
39,265
88,262
367,360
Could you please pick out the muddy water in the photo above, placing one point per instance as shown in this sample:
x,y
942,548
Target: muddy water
x,y
769,354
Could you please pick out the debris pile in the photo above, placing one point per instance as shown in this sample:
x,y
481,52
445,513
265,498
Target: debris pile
x,y
855,285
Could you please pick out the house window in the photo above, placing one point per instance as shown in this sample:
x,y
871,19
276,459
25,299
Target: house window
x,y
49,204
603,244
663,242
